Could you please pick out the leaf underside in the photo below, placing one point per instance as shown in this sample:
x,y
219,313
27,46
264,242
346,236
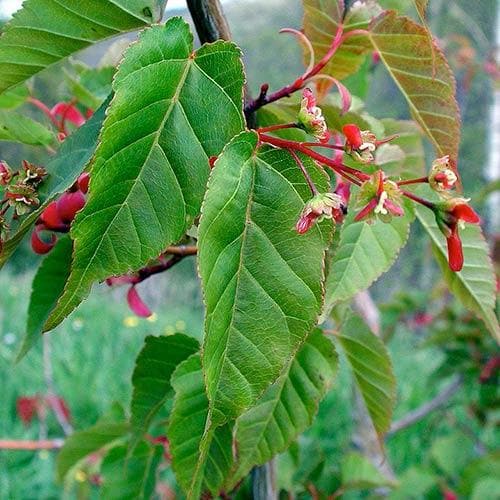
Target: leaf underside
x,y
48,285
287,408
130,476
372,368
365,251
196,469
262,281
151,166
44,32
151,378
15,127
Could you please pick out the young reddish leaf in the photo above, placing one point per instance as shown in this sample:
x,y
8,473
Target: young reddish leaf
x,y
421,72
321,21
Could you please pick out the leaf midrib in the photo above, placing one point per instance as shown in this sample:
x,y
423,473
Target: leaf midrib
x,y
83,273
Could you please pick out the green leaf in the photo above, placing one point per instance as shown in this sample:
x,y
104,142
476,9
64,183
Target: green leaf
x,y
14,98
452,453
64,168
130,476
421,72
150,170
359,473
151,378
44,32
201,460
364,252
48,285
475,284
372,368
83,443
90,86
15,127
321,20
262,281
288,407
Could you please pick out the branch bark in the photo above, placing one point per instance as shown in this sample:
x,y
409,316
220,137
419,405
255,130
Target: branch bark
x,y
419,413
209,20
264,482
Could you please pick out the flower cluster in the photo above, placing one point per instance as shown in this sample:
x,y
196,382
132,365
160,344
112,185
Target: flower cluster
x,y
322,206
311,118
379,197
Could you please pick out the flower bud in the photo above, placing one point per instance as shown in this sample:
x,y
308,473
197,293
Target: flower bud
x,y
5,173
83,182
136,304
441,176
69,204
311,117
51,219
40,246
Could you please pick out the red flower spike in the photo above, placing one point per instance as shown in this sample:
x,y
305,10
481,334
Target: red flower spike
x,y
449,215
38,245
69,204
353,135
364,212
50,217
68,112
455,253
305,222
136,304
83,182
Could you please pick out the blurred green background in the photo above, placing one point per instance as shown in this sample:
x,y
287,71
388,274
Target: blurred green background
x,y
93,352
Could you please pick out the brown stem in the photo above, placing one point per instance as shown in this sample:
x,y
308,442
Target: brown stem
x,y
418,414
418,199
182,250
209,20
279,126
420,180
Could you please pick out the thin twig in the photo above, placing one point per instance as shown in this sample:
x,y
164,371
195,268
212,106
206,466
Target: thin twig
x,y
182,250
42,444
419,413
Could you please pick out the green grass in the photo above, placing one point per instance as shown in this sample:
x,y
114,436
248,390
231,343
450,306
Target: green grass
x,y
93,355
